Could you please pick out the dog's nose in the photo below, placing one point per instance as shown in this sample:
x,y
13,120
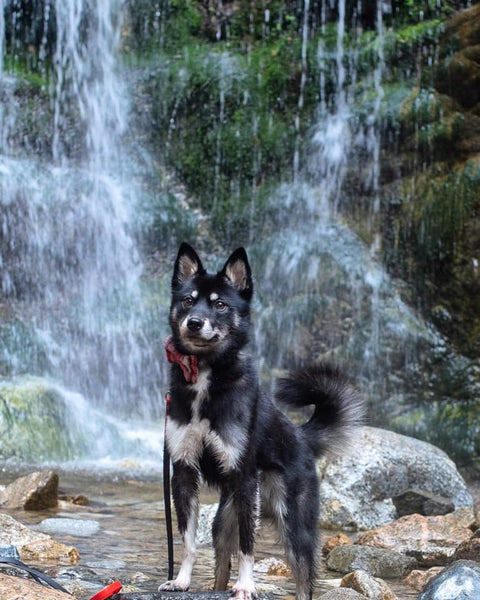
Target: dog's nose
x,y
195,323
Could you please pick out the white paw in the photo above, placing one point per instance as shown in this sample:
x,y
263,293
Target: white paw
x,y
244,592
173,586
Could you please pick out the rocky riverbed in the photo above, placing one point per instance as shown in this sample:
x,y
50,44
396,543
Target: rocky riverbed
x,y
120,535
392,508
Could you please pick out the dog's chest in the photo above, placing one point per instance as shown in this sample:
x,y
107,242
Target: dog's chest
x,y
187,443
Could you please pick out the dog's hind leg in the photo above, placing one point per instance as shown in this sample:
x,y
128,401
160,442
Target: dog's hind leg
x,y
225,539
299,536
185,496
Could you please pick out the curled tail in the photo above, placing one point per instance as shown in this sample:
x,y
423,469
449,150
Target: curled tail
x,y
338,408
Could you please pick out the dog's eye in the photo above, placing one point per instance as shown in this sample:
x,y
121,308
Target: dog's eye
x,y
220,305
187,302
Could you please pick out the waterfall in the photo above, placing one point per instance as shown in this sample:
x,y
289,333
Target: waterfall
x,y
325,295
71,272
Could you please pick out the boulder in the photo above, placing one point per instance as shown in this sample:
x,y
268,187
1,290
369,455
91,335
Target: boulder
x,y
430,540
36,491
379,562
15,588
370,587
356,489
461,580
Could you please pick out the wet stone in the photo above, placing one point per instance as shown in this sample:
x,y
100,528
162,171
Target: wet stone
x,y
75,527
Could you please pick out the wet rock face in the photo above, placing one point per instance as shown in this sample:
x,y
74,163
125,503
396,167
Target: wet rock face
x,y
357,490
461,580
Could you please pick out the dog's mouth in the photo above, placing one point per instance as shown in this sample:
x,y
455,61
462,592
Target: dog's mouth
x,y
195,343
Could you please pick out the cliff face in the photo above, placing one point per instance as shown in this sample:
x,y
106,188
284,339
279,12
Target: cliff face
x,y
431,222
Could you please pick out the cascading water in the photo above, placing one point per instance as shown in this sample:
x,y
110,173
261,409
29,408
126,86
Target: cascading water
x,y
325,294
75,312
70,267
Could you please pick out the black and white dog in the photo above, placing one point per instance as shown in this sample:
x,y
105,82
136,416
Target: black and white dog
x,y
223,430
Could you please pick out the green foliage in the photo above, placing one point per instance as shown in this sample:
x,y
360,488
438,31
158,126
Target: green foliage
x,y
451,425
227,123
413,11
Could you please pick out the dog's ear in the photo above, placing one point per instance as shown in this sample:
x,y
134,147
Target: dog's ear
x,y
237,271
187,265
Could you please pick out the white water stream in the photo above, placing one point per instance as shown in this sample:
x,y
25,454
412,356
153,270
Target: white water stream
x,y
69,255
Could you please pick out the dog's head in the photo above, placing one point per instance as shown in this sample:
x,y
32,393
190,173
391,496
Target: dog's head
x,y
210,313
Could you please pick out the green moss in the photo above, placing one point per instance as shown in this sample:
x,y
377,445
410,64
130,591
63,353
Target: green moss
x,y
32,423
35,79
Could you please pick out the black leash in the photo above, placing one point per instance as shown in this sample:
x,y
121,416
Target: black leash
x,y
166,493
37,575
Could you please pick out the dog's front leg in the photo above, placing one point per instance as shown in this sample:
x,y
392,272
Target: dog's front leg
x,y
247,499
185,496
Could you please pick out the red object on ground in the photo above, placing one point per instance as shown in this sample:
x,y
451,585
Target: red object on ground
x,y
107,592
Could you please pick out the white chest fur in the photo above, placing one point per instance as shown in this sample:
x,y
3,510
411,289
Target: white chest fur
x,y
186,443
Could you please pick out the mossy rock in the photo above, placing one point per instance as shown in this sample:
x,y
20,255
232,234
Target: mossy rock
x,y
33,417
459,74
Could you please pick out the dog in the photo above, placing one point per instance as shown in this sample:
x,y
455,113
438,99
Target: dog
x,y
223,430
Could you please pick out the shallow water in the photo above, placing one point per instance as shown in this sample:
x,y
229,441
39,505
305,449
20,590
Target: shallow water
x,y
130,544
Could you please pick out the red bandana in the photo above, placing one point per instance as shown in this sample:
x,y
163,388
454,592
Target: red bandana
x,y
188,362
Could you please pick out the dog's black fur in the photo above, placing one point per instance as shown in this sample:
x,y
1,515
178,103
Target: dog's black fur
x,y
224,430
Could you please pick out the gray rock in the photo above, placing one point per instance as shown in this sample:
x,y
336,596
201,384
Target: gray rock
x,y
378,562
356,490
206,515
459,581
75,527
